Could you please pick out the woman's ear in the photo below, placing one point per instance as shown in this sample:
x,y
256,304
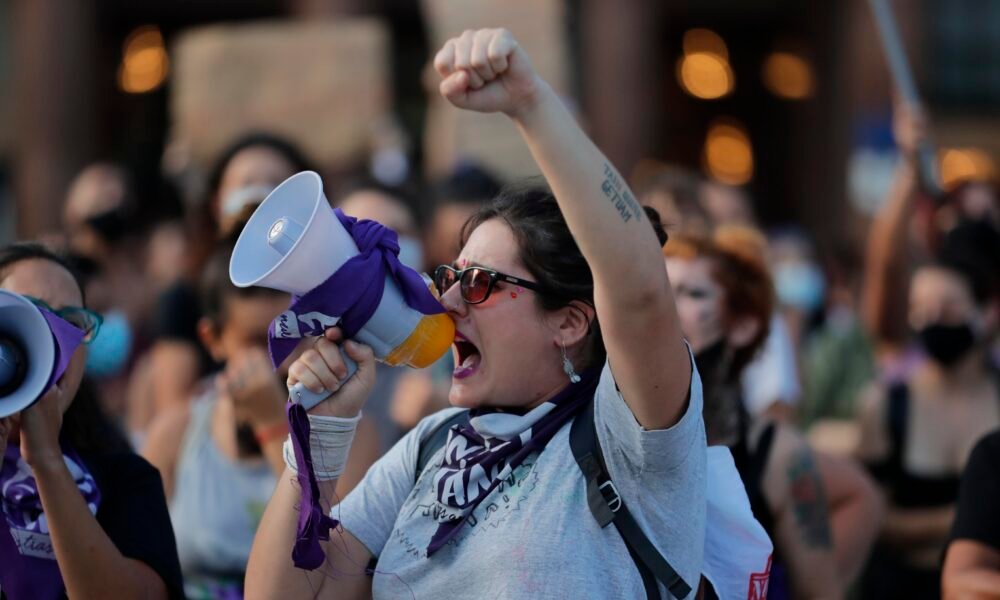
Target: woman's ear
x,y
211,338
743,331
571,323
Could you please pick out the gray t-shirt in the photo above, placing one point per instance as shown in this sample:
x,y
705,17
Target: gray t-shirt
x,y
534,536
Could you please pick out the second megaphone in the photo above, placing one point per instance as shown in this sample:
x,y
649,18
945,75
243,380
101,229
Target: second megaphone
x,y
35,348
340,271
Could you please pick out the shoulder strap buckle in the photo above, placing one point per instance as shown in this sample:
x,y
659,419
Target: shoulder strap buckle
x,y
612,497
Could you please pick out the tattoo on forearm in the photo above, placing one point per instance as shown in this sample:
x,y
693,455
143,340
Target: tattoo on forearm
x,y
809,500
619,196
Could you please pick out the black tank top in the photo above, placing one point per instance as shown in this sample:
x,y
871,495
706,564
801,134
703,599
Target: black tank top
x,y
907,489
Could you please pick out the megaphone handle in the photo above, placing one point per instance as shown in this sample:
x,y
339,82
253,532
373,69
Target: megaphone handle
x,y
307,398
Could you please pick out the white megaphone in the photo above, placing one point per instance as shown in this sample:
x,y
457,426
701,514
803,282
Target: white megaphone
x,y
294,242
27,353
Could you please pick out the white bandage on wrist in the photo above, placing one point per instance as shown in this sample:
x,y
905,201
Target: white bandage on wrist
x,y
329,442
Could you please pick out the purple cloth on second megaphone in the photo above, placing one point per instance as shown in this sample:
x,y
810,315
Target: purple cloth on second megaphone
x,y
28,568
68,338
354,291
351,294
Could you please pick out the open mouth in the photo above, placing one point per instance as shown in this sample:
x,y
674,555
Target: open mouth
x,y
467,357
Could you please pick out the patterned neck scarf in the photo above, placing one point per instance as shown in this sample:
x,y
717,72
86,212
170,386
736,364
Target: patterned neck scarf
x,y
483,453
28,567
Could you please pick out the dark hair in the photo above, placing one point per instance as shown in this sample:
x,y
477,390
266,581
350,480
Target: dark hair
x,y
366,183
972,250
468,183
17,252
215,286
547,249
282,146
85,426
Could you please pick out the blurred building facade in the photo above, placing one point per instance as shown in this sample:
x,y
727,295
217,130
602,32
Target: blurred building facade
x,y
773,95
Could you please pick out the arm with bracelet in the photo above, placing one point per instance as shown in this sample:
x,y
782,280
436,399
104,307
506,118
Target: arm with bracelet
x,y
271,571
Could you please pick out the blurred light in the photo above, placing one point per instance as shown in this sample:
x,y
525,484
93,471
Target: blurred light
x,y
704,40
965,164
728,156
788,76
705,75
704,70
145,63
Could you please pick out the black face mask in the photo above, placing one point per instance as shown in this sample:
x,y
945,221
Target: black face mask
x,y
110,225
712,362
947,344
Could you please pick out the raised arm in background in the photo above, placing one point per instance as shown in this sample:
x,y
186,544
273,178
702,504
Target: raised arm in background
x,y
887,256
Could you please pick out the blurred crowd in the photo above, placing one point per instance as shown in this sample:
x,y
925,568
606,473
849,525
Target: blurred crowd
x,y
852,385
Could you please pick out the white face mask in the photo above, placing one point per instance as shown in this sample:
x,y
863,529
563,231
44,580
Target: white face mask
x,y
250,195
800,285
411,253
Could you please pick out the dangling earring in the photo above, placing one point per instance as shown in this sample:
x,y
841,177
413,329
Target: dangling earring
x,y
568,366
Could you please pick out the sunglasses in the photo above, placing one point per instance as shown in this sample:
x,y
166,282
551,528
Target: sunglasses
x,y
477,283
83,319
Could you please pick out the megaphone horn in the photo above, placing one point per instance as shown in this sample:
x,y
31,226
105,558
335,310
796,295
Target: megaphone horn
x,y
294,242
27,353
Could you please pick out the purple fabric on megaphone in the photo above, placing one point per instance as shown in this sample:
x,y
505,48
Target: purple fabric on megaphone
x,y
353,292
314,524
68,338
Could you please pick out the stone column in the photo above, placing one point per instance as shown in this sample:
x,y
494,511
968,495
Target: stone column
x,y
622,73
54,61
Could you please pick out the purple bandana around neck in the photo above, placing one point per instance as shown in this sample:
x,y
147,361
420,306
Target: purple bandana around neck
x,y
476,462
351,294
28,567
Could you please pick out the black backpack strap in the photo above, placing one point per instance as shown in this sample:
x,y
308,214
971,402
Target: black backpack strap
x,y
436,438
761,453
896,417
607,507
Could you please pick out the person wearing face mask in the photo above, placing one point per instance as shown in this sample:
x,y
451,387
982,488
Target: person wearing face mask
x,y
817,509
81,516
918,432
221,454
453,199
241,177
105,239
370,200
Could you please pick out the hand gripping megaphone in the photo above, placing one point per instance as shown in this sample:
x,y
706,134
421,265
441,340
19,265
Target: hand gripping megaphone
x,y
339,271
35,348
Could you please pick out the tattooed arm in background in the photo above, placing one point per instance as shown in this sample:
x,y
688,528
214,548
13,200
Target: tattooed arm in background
x,y
794,491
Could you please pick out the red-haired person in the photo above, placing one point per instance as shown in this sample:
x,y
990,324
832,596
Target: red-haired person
x,y
816,509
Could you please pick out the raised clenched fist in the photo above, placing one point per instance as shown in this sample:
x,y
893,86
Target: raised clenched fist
x,y
486,70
